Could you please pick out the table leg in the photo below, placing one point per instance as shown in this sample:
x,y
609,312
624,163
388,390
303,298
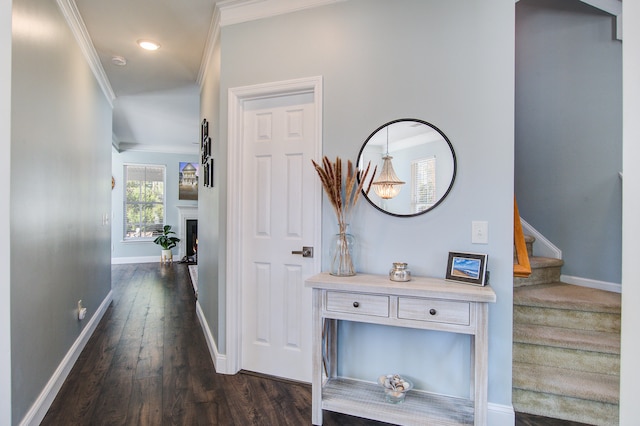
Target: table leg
x,y
317,359
481,359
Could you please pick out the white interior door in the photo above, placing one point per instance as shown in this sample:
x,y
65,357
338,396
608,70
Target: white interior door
x,y
278,218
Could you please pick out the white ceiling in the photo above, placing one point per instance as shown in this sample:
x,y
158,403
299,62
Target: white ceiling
x,y
181,27
155,96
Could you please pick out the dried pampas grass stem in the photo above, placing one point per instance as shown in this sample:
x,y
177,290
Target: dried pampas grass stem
x,y
343,198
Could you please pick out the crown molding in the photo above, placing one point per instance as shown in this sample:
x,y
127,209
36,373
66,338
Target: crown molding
x,y
115,142
212,38
237,11
76,24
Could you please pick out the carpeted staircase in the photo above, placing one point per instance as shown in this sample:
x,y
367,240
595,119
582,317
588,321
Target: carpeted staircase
x,y
566,347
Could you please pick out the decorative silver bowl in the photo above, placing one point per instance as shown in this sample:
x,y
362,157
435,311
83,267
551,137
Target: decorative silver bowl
x,y
395,387
400,272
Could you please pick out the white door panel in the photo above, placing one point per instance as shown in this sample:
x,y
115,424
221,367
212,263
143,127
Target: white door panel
x,y
278,145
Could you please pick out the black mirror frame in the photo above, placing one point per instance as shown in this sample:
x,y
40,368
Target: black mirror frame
x,y
453,176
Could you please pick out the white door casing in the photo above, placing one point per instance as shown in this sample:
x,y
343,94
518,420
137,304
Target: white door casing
x,y
242,247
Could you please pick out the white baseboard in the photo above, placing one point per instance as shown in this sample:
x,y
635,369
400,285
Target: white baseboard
x,y
219,360
139,259
40,407
587,282
193,273
500,415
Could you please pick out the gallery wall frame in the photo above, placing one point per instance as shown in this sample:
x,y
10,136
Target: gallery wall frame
x,y
211,171
206,145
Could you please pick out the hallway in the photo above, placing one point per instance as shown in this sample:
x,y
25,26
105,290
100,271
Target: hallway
x,y
148,364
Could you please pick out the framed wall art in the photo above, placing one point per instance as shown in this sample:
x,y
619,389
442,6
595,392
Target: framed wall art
x,y
188,181
205,174
211,170
205,141
204,130
206,145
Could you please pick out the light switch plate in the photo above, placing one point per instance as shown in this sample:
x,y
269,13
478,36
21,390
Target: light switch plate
x,y
479,232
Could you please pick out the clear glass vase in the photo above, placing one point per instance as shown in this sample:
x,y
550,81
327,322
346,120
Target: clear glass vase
x,y
342,254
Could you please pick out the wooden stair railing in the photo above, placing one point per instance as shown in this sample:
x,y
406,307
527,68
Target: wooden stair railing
x,y
521,266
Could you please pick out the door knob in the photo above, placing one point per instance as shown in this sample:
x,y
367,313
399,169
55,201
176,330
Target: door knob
x,y
305,252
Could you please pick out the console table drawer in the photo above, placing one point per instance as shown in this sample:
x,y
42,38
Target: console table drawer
x,y
434,310
358,303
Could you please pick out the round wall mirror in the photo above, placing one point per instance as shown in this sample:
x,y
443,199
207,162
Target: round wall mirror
x,y
416,167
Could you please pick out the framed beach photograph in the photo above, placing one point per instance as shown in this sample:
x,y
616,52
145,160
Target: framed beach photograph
x,y
470,268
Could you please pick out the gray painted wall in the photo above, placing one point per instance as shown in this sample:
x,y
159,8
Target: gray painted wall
x,y
212,210
569,132
143,249
5,179
382,60
60,190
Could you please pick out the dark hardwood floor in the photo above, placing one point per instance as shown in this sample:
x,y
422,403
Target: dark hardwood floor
x,y
148,364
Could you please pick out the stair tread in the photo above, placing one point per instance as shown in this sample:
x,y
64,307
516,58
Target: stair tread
x,y
560,295
573,411
586,340
545,262
558,381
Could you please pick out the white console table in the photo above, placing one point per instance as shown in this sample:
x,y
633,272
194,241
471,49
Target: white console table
x,y
424,303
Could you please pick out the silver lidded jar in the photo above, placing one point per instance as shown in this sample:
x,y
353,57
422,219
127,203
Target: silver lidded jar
x,y
399,272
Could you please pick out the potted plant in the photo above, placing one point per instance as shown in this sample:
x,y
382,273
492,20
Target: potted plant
x,y
167,242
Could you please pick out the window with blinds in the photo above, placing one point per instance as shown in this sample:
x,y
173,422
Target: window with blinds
x,y
143,201
423,184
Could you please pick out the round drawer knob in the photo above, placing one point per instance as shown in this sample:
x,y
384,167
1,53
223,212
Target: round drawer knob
x,y
432,311
356,304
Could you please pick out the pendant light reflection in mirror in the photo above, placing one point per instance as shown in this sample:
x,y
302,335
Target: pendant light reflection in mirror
x,y
387,185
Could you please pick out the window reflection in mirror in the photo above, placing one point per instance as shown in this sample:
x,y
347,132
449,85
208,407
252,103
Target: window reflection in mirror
x,y
422,157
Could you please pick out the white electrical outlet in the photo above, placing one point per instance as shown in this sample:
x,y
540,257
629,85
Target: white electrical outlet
x,y
82,312
479,232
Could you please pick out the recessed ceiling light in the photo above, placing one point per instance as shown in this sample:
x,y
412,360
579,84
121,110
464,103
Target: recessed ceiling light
x,y
119,61
148,44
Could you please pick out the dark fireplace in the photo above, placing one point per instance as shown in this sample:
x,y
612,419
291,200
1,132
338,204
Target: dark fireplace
x,y
191,234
